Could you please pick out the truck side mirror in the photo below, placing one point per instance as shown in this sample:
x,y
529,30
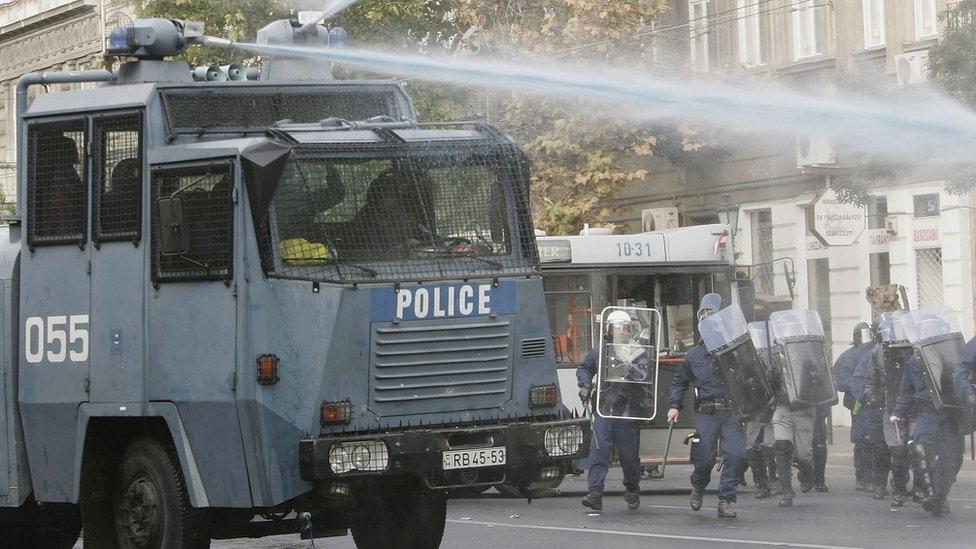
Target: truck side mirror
x,y
174,235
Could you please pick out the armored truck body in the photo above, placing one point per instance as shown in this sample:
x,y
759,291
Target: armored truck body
x,y
224,300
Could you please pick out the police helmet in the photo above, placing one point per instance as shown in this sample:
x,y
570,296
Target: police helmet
x,y
615,318
710,303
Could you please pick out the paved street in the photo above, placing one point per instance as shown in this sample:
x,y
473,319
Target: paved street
x,y
840,518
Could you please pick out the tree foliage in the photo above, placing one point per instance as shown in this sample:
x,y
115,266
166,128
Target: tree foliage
x,y
951,62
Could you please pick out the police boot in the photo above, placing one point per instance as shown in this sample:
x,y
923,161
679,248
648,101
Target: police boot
x,y
805,476
769,456
594,500
861,467
695,500
881,462
819,468
758,466
784,471
899,476
633,499
725,509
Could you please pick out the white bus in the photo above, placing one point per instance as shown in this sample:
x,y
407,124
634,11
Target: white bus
x,y
667,270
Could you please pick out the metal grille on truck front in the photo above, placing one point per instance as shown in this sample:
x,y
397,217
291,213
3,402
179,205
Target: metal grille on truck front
x,y
397,210
441,366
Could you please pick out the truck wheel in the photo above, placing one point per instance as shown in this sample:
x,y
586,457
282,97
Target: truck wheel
x,y
151,507
412,517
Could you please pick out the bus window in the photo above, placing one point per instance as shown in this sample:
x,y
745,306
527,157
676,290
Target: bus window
x,y
570,305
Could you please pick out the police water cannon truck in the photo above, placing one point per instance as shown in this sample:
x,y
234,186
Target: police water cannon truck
x,y
239,307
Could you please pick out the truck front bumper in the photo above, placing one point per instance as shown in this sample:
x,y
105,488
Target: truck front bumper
x,y
529,448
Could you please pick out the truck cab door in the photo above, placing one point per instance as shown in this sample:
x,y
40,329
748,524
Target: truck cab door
x,y
54,298
118,257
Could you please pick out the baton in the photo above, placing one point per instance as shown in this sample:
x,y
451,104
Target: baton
x,y
667,450
586,408
897,425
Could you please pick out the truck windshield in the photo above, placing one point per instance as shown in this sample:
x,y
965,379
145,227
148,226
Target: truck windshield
x,y
382,217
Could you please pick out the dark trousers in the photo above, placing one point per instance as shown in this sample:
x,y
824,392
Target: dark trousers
x,y
711,428
820,446
943,449
622,434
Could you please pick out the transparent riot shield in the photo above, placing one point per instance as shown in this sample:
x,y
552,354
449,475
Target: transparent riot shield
x,y
626,381
803,358
935,335
762,340
726,336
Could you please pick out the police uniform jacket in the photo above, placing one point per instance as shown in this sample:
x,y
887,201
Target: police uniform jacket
x,y
914,391
697,369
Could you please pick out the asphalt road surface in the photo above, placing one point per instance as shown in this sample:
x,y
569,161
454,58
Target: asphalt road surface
x,y
841,518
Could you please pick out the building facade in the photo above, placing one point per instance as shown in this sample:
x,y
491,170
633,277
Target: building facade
x,y
45,35
918,234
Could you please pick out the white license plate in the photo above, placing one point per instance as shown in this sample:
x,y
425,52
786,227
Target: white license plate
x,y
478,457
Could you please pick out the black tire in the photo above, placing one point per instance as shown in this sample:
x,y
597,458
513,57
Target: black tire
x,y
411,517
150,506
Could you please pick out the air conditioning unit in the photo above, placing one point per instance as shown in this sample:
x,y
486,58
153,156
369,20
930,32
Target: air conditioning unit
x,y
659,219
891,225
815,149
912,68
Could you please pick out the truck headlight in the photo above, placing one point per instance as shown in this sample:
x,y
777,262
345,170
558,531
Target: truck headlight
x,y
563,441
361,456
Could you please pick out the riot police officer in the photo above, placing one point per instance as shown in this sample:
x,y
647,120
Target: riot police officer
x,y
870,426
882,381
793,426
608,433
862,342
936,446
713,420
760,440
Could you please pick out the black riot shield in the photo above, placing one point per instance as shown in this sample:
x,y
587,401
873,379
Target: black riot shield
x,y
896,355
727,338
806,372
941,355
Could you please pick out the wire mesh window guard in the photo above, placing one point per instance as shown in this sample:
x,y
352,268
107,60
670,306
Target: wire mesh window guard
x,y
762,250
207,201
56,183
117,178
928,268
420,211
255,109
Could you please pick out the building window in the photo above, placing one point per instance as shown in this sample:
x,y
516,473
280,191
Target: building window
x,y
928,268
750,35
818,291
926,205
880,265
877,212
874,25
805,31
762,250
926,19
698,37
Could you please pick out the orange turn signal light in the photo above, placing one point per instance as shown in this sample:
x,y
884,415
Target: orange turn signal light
x,y
267,369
